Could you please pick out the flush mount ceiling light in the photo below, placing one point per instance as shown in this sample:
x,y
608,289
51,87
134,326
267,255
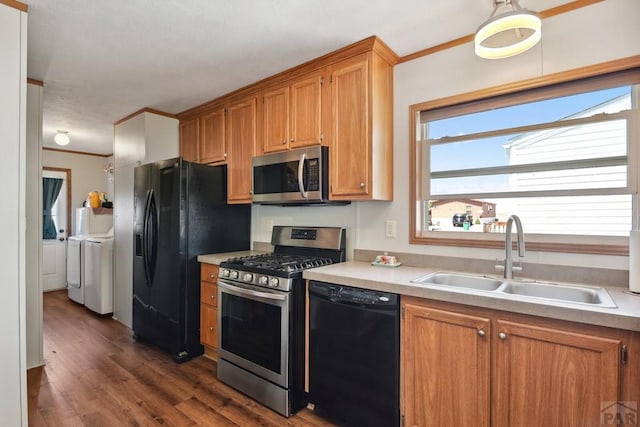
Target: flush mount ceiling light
x,y
512,31
62,137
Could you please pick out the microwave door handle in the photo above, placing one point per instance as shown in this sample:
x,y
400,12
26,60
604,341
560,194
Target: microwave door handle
x,y
303,192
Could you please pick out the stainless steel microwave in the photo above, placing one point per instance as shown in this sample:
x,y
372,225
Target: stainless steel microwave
x,y
296,177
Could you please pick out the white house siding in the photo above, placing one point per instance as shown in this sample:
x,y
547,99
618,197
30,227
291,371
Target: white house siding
x,y
599,215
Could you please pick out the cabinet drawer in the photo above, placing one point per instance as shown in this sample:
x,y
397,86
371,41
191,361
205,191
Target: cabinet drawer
x,y
209,294
209,326
209,273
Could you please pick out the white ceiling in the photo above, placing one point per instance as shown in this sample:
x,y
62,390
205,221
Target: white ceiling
x,y
103,60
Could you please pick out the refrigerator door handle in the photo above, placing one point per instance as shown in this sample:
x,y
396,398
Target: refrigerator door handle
x,y
145,234
152,238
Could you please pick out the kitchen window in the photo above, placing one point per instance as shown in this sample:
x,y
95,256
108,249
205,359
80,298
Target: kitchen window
x,y
563,157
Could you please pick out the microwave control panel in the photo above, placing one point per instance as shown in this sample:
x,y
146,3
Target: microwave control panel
x,y
313,175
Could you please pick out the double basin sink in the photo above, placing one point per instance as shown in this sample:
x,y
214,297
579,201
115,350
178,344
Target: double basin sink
x,y
521,289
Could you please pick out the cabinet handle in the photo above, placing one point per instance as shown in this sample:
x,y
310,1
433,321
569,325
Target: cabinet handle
x,y
502,336
212,276
362,185
293,139
213,296
211,328
481,333
284,141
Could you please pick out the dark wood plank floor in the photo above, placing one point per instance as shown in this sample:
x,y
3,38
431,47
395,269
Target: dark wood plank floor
x,y
97,375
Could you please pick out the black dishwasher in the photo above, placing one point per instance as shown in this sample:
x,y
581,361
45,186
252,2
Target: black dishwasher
x,y
354,355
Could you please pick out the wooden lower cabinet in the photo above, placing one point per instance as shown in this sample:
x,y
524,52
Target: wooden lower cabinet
x,y
209,326
209,309
467,366
445,360
546,377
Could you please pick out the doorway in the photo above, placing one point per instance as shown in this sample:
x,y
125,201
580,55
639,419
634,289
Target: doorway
x,y
56,206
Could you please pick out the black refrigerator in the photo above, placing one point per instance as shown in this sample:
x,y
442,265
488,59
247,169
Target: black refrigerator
x,y
180,212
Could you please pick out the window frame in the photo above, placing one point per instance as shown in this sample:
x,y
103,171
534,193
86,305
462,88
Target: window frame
x,y
608,74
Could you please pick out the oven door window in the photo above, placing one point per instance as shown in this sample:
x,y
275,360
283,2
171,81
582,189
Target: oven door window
x,y
252,330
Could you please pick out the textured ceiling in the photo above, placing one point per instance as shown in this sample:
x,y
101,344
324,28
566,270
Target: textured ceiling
x,y
103,60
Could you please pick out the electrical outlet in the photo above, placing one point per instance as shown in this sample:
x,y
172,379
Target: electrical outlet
x,y
390,228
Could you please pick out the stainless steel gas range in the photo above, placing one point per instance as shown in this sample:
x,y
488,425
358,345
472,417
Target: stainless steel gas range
x,y
261,315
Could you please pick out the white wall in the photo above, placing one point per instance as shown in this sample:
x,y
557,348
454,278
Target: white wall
x,y
87,174
33,275
13,75
601,32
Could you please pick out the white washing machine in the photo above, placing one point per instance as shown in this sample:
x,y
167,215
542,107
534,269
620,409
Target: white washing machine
x,y
98,274
88,225
75,265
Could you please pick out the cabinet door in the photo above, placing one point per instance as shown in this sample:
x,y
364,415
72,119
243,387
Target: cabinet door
x,y
546,377
209,273
305,112
209,294
275,120
241,142
445,366
189,140
211,139
208,326
349,147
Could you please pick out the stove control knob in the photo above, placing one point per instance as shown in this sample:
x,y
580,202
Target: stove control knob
x,y
248,277
225,272
234,274
274,283
263,280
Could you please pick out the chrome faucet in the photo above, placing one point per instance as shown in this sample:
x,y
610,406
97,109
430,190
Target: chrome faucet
x,y
508,262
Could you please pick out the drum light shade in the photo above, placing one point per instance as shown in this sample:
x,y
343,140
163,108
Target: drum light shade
x,y
62,137
508,33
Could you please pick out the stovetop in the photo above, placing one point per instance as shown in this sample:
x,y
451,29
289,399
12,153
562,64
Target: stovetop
x,y
274,262
295,250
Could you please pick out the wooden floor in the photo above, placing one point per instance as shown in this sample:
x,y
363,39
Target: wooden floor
x,y
97,375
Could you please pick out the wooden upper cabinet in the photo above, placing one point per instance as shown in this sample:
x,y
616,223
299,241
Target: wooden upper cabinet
x,y
552,377
349,145
361,138
275,119
305,120
211,141
445,368
189,140
241,145
291,114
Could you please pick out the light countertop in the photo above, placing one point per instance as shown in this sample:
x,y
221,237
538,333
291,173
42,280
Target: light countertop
x,y
223,256
398,280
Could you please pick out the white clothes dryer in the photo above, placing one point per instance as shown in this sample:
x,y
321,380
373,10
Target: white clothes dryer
x,y
98,263
75,265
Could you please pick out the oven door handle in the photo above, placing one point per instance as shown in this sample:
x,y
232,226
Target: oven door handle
x,y
303,192
265,295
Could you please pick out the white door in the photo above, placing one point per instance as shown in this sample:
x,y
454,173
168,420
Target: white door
x,y
54,251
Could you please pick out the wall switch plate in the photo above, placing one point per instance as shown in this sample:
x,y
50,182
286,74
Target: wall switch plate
x,y
390,228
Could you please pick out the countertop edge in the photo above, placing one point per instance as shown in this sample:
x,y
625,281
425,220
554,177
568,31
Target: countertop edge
x,y
398,280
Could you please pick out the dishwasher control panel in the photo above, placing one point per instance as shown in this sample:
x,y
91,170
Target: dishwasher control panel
x,y
345,294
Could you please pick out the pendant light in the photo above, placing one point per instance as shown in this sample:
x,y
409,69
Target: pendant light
x,y
62,137
512,31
